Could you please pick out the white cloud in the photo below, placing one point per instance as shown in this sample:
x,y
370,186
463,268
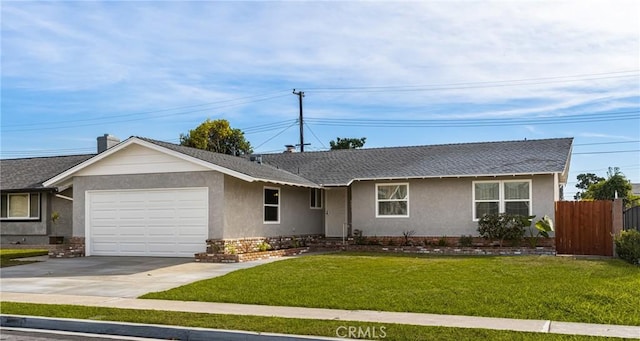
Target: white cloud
x,y
141,56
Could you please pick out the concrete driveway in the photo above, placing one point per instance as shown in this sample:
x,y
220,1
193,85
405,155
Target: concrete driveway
x,y
110,276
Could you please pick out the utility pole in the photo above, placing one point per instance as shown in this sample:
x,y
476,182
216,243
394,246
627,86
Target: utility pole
x,y
300,94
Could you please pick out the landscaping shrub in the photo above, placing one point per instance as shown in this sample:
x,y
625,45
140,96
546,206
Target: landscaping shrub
x,y
407,237
443,241
359,238
264,246
503,227
465,241
542,228
628,246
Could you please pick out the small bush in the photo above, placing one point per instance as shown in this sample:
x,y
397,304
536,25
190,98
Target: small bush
x,y
231,249
465,241
503,227
264,246
443,241
628,246
407,237
359,238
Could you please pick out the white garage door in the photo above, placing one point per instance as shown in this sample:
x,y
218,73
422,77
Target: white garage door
x,y
157,222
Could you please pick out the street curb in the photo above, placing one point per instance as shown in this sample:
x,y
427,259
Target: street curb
x,y
145,330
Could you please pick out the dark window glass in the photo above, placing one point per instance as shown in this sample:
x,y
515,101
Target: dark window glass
x,y
270,213
270,196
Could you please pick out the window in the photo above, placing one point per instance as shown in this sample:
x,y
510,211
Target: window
x,y
271,205
509,196
392,200
20,206
315,198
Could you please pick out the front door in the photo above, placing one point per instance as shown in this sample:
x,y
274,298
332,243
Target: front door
x,y
336,212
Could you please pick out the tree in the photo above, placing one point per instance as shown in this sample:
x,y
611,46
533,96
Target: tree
x,y
615,184
584,181
347,143
217,136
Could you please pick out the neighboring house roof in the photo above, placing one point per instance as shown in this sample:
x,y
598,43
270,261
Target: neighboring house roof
x,y
30,173
635,189
231,165
341,167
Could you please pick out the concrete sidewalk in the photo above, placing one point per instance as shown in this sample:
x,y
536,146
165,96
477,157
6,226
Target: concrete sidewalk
x,y
539,326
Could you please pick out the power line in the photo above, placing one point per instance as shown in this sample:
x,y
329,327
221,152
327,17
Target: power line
x,y
268,127
314,135
608,152
633,166
276,135
145,112
487,84
603,143
140,118
443,123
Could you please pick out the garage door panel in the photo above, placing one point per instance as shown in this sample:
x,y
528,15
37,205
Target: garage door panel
x,y
132,233
103,214
186,232
171,222
104,246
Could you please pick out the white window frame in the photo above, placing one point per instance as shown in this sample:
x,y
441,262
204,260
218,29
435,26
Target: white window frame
x,y
28,216
318,194
264,204
501,196
377,201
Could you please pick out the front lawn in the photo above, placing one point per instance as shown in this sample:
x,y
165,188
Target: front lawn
x,y
8,256
278,325
536,287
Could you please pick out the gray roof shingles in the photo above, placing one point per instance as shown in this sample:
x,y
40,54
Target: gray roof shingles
x,y
238,164
30,173
340,167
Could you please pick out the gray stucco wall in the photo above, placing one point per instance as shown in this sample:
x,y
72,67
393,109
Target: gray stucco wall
x,y
64,224
243,213
438,207
28,231
213,180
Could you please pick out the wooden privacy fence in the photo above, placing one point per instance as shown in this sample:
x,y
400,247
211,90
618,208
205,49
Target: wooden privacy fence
x,y
587,227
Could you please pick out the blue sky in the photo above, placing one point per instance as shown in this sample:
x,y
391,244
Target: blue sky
x,y
398,73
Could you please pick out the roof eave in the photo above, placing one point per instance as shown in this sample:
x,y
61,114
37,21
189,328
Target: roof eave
x,y
27,190
286,183
66,175
387,178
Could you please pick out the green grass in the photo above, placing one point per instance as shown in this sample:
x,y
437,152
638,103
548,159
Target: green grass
x,y
275,324
536,287
8,256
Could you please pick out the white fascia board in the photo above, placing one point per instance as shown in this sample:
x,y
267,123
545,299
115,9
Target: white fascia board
x,y
441,177
64,176
285,183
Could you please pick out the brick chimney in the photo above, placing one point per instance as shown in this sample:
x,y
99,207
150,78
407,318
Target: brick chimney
x,y
106,141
